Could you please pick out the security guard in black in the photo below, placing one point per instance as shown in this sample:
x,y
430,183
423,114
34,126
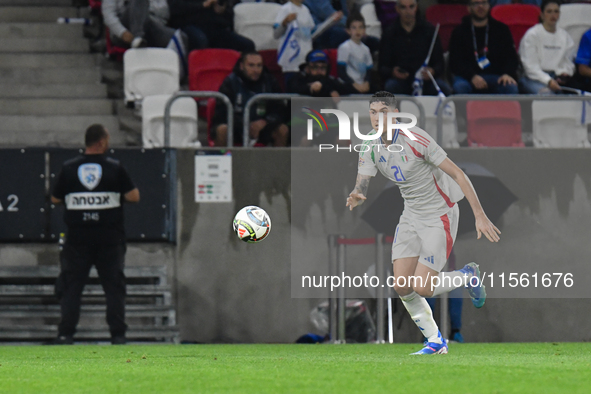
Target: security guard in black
x,y
93,188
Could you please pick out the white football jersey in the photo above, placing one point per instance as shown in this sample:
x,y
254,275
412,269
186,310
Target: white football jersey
x,y
428,192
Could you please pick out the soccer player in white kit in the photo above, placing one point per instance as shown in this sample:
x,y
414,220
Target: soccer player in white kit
x,y
431,185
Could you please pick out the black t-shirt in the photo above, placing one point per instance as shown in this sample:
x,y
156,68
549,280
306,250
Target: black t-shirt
x,y
93,188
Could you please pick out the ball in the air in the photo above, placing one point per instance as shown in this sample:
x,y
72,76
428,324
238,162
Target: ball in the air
x,y
252,224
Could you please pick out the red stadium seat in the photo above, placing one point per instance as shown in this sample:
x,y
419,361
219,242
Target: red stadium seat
x,y
209,67
95,5
448,16
494,123
270,61
207,70
519,18
114,51
332,58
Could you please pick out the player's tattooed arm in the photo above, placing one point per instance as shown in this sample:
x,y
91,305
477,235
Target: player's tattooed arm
x,y
357,196
362,184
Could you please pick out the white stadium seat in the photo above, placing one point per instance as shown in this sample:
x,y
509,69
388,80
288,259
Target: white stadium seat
x,y
372,23
576,20
430,103
557,124
150,71
183,125
255,21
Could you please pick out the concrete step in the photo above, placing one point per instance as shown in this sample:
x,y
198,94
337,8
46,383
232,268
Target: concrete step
x,y
53,130
51,75
35,14
47,107
39,30
53,91
49,60
44,45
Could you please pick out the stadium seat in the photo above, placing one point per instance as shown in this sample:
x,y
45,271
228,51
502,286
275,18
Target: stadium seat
x,y
373,27
557,124
494,123
255,21
575,19
209,67
183,124
150,71
431,104
113,51
270,61
519,18
95,5
448,16
332,57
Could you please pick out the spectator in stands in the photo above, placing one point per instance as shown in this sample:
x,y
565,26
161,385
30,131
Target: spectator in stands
x,y
405,46
321,10
314,79
482,54
267,118
293,27
547,53
583,61
208,24
353,56
138,23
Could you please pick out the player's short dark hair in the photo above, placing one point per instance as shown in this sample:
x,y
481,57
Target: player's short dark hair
x,y
354,17
94,134
545,3
384,97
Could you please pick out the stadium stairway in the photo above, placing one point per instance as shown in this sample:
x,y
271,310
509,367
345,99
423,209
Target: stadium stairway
x,y
50,85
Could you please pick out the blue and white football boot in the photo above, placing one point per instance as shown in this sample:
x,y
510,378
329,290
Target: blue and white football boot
x,y
433,348
475,287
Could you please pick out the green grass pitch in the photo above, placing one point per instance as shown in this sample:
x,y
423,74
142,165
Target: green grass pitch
x,y
468,368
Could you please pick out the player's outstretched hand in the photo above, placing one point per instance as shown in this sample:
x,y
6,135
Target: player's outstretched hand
x,y
354,200
485,226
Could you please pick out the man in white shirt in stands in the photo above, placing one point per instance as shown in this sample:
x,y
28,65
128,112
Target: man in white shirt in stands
x,y
138,23
547,53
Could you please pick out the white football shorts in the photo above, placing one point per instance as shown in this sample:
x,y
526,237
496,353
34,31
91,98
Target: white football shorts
x,y
431,239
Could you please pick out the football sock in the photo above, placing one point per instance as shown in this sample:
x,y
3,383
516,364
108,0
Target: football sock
x,y
449,281
420,312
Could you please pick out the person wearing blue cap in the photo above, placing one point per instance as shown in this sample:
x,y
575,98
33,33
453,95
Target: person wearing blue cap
x,y
314,78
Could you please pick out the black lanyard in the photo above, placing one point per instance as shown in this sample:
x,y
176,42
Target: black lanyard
x,y
485,52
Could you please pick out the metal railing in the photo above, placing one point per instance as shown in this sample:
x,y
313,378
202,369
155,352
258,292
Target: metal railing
x,y
250,103
498,97
204,94
286,96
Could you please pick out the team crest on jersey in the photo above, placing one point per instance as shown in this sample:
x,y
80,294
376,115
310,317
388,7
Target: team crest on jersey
x,y
90,175
403,156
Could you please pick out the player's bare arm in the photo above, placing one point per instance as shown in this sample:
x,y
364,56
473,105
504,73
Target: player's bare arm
x,y
483,224
55,200
357,196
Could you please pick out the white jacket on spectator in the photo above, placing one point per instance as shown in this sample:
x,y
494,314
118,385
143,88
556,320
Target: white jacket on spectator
x,y
542,52
112,10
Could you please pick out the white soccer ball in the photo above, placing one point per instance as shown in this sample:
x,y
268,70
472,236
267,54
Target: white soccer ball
x,y
252,224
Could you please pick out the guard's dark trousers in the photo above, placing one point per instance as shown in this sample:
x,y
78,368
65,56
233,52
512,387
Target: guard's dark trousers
x,y
76,261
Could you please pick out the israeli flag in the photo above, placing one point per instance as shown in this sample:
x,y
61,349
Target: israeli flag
x,y
290,47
